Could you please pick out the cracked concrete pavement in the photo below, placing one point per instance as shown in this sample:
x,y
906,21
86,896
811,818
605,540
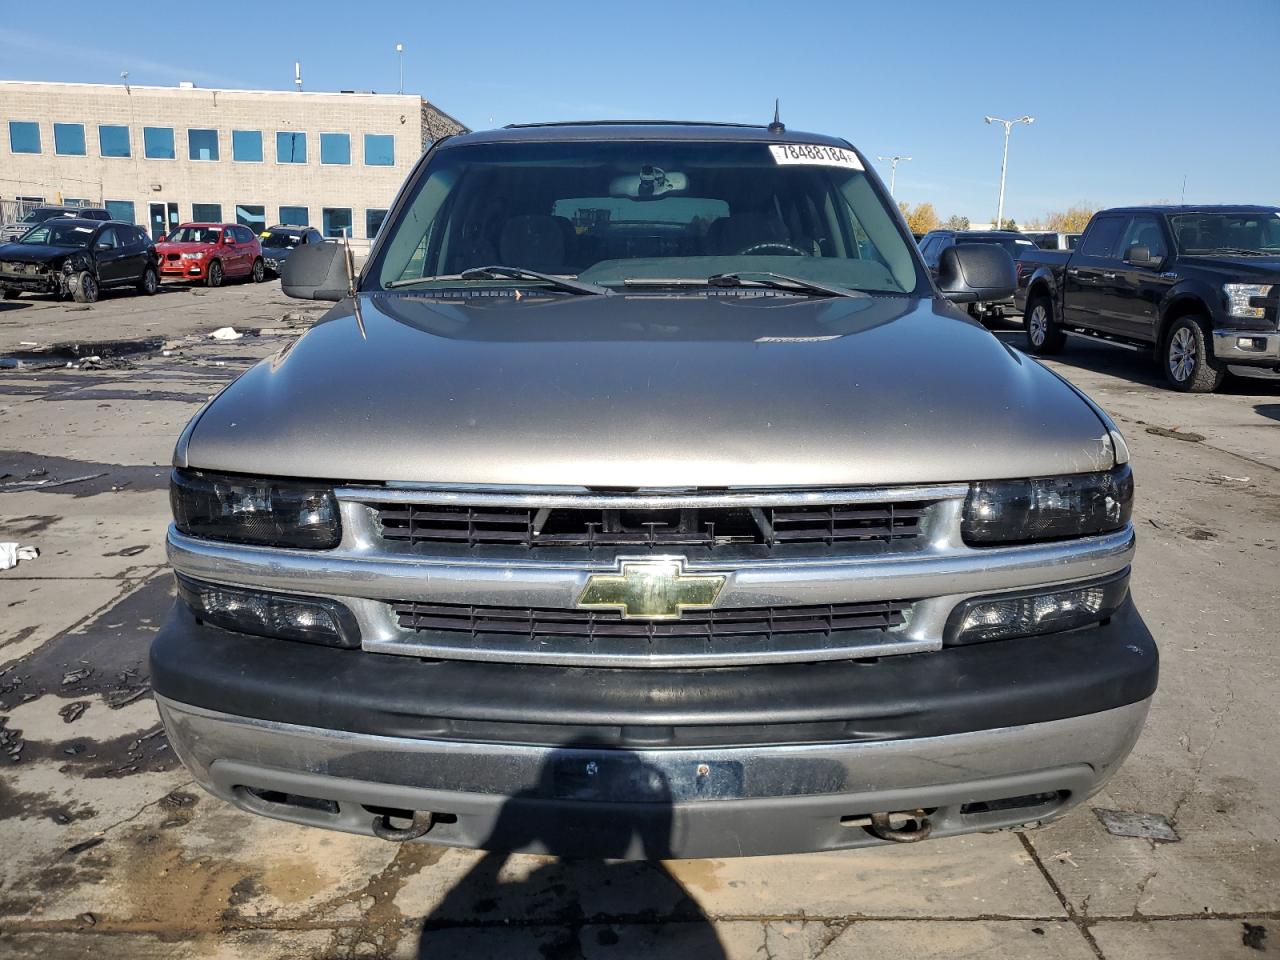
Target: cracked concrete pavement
x,y
106,848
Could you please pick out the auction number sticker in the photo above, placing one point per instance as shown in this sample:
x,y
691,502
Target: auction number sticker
x,y
817,154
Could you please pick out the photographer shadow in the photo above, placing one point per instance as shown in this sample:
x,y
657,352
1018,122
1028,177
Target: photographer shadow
x,y
601,886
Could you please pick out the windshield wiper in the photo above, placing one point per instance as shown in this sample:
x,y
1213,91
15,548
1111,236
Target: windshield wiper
x,y
781,281
564,284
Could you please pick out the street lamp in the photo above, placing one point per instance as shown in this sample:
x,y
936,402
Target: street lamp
x,y
1004,160
400,54
893,169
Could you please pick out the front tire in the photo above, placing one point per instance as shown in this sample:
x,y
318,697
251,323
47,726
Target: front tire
x,y
86,290
259,271
1189,364
12,294
213,275
1044,336
149,283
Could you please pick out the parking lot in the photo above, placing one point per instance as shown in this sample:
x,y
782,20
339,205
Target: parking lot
x,y
110,851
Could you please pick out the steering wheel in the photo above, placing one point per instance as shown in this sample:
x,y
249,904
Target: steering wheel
x,y
773,245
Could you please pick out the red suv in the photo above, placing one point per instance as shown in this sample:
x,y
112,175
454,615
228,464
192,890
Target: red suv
x,y
211,252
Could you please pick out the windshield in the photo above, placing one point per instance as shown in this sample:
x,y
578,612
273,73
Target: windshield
x,y
613,212
1246,232
195,235
41,214
273,241
1014,246
59,234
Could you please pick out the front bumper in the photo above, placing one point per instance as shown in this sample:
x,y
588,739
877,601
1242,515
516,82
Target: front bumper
x,y
652,804
182,269
1247,347
657,762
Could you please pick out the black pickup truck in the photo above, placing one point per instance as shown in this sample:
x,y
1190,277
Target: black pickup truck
x,y
1199,284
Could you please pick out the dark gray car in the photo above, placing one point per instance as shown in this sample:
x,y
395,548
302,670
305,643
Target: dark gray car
x,y
280,241
645,496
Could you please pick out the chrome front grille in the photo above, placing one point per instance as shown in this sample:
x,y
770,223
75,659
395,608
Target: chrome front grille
x,y
714,528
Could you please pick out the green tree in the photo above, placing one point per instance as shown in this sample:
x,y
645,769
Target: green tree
x,y
956,222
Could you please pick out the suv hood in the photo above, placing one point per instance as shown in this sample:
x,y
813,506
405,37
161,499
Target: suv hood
x,y
36,252
648,391
165,246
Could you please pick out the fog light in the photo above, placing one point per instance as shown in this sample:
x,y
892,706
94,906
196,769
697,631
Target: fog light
x,y
309,619
1034,612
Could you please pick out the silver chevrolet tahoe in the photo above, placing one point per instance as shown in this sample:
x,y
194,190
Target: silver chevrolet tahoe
x,y
645,496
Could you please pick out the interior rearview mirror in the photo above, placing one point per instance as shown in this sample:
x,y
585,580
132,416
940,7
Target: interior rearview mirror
x,y
973,272
315,272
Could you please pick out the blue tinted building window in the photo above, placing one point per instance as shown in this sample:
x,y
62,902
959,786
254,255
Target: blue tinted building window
x,y
337,221
252,216
157,143
291,147
24,136
373,222
246,146
120,210
379,150
296,216
202,144
113,141
206,212
335,148
68,139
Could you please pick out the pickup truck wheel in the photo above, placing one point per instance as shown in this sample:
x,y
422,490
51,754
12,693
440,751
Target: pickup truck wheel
x,y
213,276
86,290
149,282
1189,363
1044,336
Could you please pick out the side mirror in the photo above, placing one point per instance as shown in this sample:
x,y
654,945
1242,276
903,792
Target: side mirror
x,y
315,272
976,271
1139,256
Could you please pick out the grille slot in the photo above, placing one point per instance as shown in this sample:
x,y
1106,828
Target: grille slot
x,y
534,624
709,527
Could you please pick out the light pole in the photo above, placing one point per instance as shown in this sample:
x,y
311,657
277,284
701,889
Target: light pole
x,y
1004,159
893,169
400,54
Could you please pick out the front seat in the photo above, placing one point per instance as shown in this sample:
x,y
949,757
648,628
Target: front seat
x,y
533,241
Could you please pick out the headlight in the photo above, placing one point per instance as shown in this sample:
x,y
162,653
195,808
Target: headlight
x,y
309,619
1240,299
1029,613
1024,511
274,513
193,256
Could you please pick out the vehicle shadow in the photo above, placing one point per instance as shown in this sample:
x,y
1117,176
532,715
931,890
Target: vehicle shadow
x,y
1136,366
568,905
1269,410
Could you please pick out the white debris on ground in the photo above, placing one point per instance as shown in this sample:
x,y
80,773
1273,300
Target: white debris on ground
x,y
11,552
226,333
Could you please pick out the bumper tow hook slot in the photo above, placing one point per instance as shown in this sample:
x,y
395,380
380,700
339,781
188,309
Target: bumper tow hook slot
x,y
423,821
920,829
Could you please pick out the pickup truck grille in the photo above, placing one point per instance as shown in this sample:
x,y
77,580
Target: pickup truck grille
x,y
708,527
535,624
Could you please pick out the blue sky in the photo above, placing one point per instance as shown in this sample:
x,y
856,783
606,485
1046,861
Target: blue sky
x,y
1129,97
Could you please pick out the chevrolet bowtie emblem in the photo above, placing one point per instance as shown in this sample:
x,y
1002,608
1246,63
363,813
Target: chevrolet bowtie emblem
x,y
651,590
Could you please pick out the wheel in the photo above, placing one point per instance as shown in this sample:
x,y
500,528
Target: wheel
x,y
86,290
213,276
259,271
1044,336
12,294
149,282
1189,364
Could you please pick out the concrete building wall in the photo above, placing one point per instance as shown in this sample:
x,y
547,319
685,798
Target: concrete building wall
x,y
358,186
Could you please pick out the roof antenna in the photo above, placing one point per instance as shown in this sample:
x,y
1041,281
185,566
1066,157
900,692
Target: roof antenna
x,y
776,126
